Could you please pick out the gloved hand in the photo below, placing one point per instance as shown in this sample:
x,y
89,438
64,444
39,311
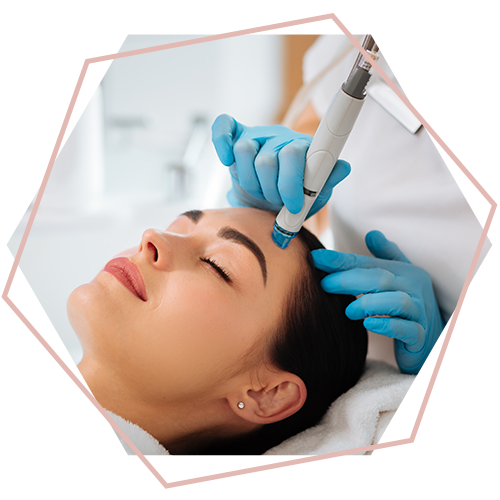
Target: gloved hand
x,y
267,166
391,286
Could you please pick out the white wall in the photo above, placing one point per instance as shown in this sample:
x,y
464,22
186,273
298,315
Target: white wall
x,y
165,90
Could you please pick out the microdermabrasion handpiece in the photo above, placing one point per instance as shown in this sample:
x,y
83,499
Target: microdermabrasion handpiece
x,y
328,142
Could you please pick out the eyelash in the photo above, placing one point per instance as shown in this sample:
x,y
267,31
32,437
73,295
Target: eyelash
x,y
225,276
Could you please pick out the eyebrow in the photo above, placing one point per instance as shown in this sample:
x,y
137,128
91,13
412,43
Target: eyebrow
x,y
194,215
231,234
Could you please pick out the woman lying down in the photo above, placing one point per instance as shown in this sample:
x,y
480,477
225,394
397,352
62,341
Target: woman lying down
x,y
212,339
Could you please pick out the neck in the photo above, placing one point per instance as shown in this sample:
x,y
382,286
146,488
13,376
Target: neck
x,y
472,103
181,427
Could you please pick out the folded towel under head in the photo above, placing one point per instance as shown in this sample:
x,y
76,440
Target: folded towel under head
x,y
357,418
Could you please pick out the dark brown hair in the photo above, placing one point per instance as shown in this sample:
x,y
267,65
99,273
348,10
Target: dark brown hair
x,y
315,341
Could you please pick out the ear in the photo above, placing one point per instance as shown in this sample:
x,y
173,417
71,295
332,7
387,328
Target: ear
x,y
280,396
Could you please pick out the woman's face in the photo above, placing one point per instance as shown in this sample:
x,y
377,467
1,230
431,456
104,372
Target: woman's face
x,y
214,283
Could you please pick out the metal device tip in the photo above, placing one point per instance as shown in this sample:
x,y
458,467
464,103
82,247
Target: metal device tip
x,y
281,237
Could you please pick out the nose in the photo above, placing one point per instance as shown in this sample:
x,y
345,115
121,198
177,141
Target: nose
x,y
162,248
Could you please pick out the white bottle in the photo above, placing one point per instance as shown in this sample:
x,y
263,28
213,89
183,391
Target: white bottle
x,y
42,99
10,178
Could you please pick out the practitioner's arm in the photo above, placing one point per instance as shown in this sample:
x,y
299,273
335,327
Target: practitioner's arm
x,y
308,122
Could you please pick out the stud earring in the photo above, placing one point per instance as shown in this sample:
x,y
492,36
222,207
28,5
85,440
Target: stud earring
x,y
241,405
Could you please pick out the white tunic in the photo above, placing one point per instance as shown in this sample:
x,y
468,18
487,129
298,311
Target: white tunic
x,y
399,185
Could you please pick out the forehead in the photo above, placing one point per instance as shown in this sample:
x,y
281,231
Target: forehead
x,y
258,225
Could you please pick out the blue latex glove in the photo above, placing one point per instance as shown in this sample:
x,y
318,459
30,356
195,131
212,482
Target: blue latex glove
x,y
391,286
267,165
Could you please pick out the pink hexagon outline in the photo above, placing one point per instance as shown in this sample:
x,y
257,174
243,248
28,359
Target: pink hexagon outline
x,y
453,320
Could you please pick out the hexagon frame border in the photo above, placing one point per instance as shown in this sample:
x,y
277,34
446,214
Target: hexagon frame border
x,y
284,463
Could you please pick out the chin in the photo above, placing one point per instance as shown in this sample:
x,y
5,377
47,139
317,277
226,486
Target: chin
x,y
102,314
86,308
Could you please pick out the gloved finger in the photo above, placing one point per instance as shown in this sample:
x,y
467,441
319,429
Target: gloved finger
x,y
382,248
410,333
266,167
341,170
332,261
395,304
361,281
292,159
234,172
245,151
225,129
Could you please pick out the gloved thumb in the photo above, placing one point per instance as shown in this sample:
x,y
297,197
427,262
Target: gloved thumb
x,y
341,170
382,248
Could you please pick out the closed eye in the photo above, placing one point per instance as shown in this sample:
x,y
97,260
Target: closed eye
x,y
224,275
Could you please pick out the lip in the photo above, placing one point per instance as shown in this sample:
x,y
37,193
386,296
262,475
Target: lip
x,y
489,38
128,274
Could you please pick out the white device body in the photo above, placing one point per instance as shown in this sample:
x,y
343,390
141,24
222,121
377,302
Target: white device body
x,y
323,153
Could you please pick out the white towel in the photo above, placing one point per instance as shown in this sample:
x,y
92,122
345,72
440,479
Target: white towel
x,y
48,428
357,418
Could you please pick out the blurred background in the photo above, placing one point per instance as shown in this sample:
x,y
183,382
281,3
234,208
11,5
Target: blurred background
x,y
141,153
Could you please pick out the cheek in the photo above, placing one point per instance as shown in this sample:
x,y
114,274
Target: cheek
x,y
198,333
199,315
